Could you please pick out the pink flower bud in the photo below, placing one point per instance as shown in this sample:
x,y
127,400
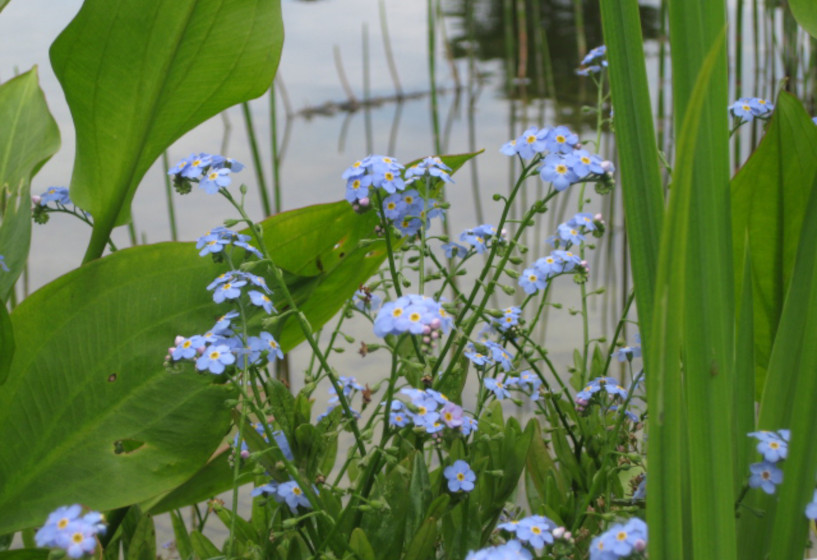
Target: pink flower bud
x,y
558,532
244,453
178,340
598,218
36,199
426,340
607,166
640,545
435,335
364,202
435,323
426,330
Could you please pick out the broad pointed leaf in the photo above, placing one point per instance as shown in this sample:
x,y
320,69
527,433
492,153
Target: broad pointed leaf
x,y
805,12
137,76
89,413
28,138
769,201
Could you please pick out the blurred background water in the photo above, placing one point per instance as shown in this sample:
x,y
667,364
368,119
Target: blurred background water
x,y
409,79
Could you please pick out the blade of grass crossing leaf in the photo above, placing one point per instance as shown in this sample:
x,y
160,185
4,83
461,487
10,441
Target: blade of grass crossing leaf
x,y
702,168
636,144
792,366
678,324
744,393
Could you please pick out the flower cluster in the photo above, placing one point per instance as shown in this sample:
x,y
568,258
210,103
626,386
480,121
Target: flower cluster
x,y
811,508
279,437
379,172
413,314
409,211
526,382
536,278
220,347
747,108
511,550
620,541
629,353
68,529
774,446
480,238
610,387
215,240
564,162
431,411
228,286
488,354
59,198
365,300
349,386
57,195
594,62
573,231
284,492
535,530
210,171
460,477
510,318
431,166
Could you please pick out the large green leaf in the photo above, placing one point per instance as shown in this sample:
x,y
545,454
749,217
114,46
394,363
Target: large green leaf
x,y
789,400
769,200
137,76
87,382
28,138
805,12
88,371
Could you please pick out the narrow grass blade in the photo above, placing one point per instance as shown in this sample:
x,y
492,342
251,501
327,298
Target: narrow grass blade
x,y
638,153
693,317
744,389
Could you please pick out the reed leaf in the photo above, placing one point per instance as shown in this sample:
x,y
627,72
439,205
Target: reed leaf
x,y
691,410
638,152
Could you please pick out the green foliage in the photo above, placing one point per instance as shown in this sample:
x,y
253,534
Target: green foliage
x,y
93,377
28,138
770,196
137,78
6,343
160,289
638,151
786,403
805,12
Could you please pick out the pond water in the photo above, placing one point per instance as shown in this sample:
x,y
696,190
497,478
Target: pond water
x,y
483,101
